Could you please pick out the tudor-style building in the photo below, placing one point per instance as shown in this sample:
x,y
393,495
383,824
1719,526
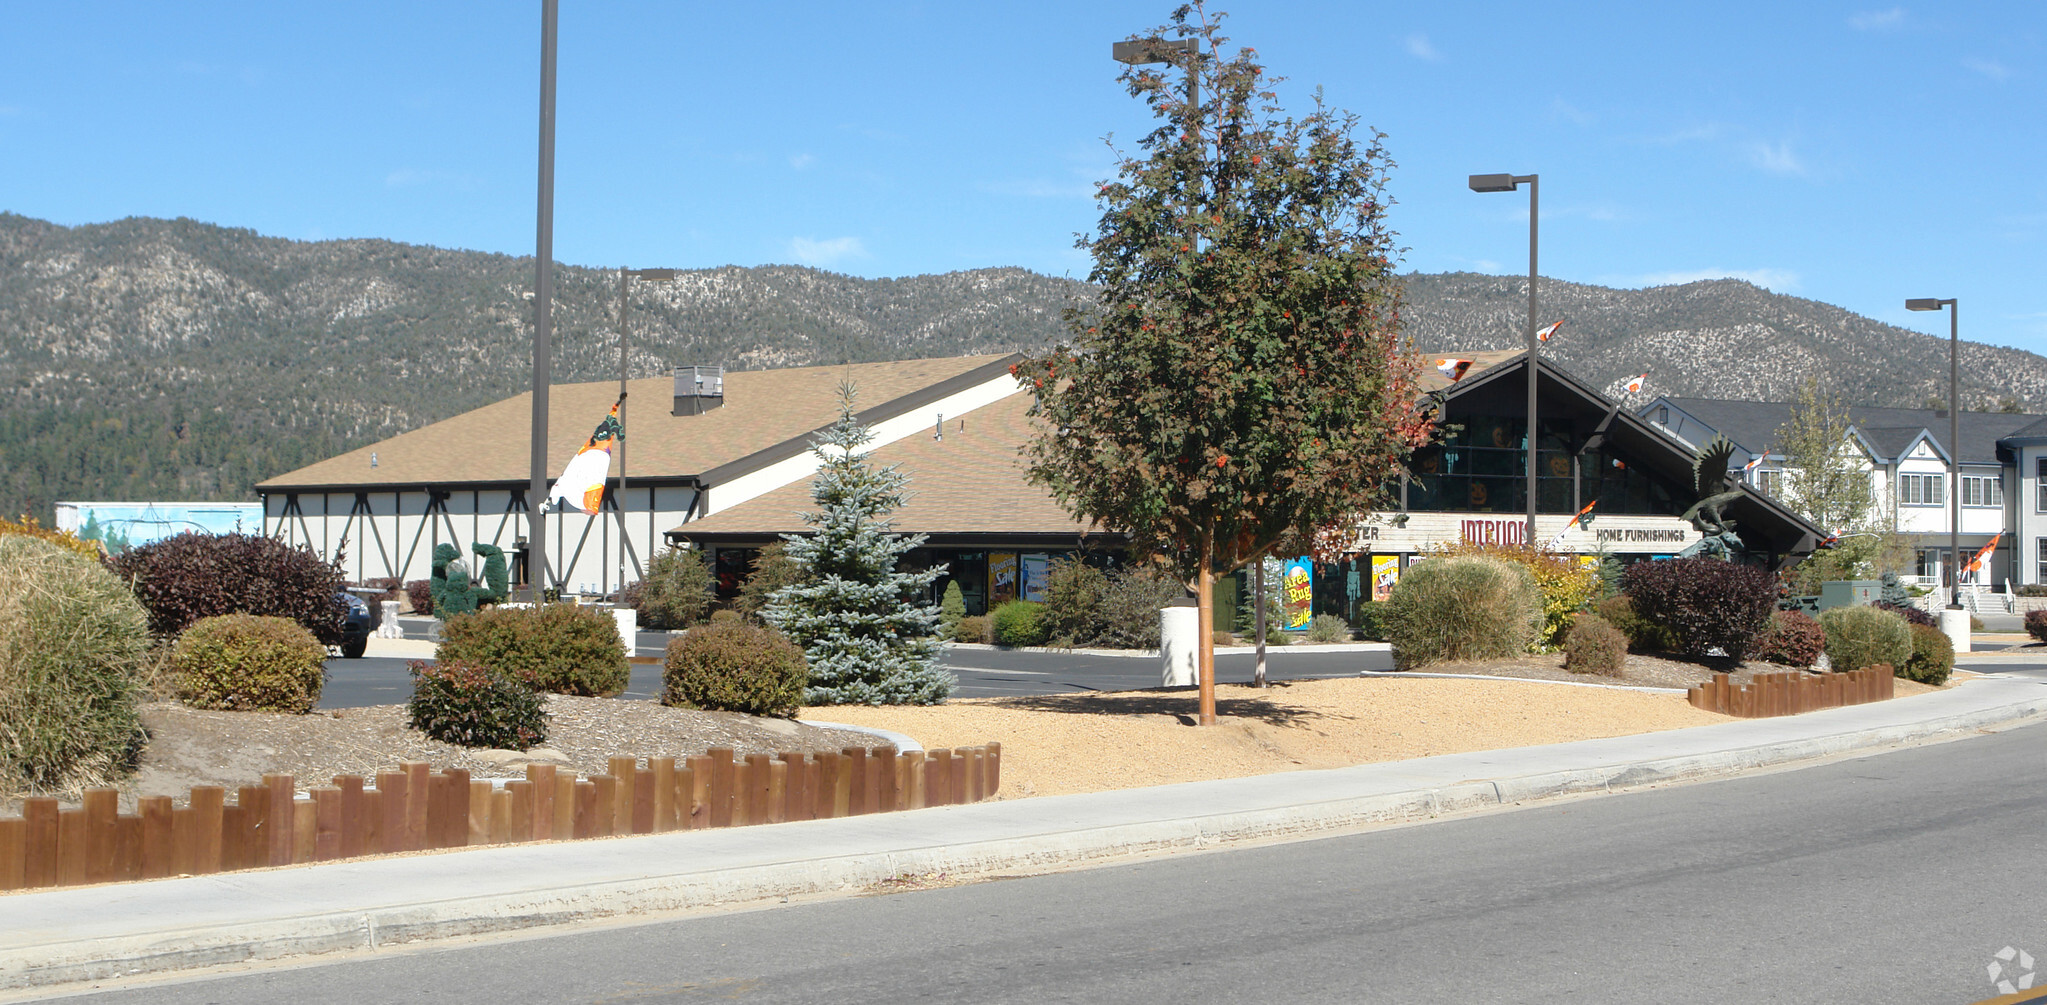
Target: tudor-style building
x,y
733,475
2001,462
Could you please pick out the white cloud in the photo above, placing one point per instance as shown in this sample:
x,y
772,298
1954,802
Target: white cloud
x,y
1779,280
803,160
1776,159
1988,67
1877,20
1038,188
1559,108
1418,46
811,251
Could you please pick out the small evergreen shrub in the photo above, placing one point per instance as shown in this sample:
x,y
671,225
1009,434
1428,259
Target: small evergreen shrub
x,y
1462,608
1328,628
1644,636
1593,646
74,649
1369,625
1128,612
472,705
676,592
562,648
1073,602
1709,603
951,609
771,570
2031,590
1565,586
1860,637
974,628
1932,659
1793,639
247,662
1911,614
185,578
1019,623
420,594
2036,625
735,667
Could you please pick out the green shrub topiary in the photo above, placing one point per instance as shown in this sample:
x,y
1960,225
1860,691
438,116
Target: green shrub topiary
x,y
1932,659
676,592
74,647
1644,636
1793,639
562,648
1328,628
735,668
191,576
1462,608
1710,604
951,609
1019,623
1593,646
1860,637
474,706
974,628
246,662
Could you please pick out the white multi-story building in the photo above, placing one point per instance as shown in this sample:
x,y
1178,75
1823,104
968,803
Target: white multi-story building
x,y
2001,461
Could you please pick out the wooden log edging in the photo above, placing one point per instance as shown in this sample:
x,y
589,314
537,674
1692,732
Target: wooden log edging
x,y
416,808
1790,693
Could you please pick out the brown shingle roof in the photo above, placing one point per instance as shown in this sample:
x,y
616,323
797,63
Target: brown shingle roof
x,y
1433,379
490,444
971,482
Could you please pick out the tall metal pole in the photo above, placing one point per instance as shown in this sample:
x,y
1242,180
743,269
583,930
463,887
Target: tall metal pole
x,y
618,499
1533,185
543,294
1954,450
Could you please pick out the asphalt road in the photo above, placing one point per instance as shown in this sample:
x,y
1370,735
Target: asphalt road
x,y
982,673
1888,878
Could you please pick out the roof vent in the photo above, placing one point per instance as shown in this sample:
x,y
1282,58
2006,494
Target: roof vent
x,y
698,389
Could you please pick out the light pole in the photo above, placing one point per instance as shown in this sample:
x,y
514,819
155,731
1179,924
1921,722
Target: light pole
x,y
1954,423
625,277
1508,183
1187,51
543,296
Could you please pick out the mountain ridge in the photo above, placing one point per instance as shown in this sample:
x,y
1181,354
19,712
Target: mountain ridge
x,y
160,359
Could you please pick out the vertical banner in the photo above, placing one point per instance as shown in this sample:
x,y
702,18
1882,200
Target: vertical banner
x,y
1385,573
1035,568
1297,593
1001,578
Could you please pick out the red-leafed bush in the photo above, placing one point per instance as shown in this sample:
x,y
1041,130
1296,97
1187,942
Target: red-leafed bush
x,y
1593,646
1793,639
467,703
2036,625
420,594
1911,614
182,579
1709,603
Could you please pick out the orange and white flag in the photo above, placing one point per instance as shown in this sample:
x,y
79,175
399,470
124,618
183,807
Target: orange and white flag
x,y
1453,368
1635,386
1983,555
1543,333
581,486
1558,541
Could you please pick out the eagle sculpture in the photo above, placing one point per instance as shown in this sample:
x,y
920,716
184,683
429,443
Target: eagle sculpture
x,y
1715,491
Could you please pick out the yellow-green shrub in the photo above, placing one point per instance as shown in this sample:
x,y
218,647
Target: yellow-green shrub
x,y
246,662
561,648
1469,607
74,646
735,667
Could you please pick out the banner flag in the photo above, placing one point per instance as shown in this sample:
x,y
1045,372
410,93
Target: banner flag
x,y
581,485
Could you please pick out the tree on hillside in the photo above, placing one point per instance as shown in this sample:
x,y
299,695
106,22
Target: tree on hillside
x,y
863,625
1240,381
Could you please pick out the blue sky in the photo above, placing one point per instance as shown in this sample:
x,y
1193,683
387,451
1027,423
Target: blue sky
x,y
1856,154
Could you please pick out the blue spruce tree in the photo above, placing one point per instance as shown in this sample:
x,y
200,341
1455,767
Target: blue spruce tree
x,y
862,624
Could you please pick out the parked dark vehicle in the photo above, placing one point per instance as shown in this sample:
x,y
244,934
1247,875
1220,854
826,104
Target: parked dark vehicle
x,y
358,620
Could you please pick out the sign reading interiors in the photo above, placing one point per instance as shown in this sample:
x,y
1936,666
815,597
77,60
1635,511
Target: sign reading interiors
x,y
1644,535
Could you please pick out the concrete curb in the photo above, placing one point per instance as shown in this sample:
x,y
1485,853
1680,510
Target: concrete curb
x,y
1376,674
1304,649
49,938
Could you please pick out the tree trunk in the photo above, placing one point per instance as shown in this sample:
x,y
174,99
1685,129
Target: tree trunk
x,y
1258,602
1205,600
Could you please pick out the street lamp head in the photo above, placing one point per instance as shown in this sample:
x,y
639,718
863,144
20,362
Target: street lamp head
x,y
1152,50
1492,183
1925,304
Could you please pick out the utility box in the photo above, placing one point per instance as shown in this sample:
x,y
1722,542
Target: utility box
x,y
1849,593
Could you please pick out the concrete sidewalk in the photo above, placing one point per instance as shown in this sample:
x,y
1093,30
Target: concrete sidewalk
x,y
108,931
